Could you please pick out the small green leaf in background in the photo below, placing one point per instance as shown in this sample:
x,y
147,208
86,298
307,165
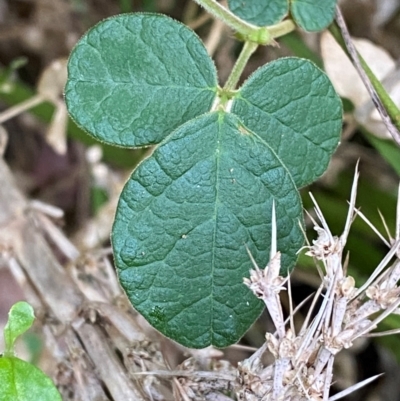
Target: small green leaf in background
x,y
20,319
258,12
183,221
134,78
19,380
293,106
313,15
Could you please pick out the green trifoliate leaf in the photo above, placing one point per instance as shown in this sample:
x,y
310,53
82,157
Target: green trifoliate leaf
x,y
184,220
21,381
136,77
292,105
260,12
20,319
313,15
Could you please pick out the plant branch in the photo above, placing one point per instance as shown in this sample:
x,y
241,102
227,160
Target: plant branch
x,y
248,49
281,29
248,32
384,104
230,19
20,108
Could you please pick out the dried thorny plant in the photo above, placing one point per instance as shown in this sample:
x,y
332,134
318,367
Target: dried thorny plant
x,y
302,367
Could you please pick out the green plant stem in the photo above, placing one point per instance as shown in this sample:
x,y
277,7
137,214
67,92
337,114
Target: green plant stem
x,y
281,29
228,17
248,49
391,108
248,32
387,101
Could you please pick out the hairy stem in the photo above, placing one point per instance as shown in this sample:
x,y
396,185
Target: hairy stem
x,y
230,19
281,29
248,32
248,49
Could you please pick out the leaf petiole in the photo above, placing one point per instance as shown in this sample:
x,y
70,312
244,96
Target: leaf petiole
x,y
248,32
248,49
282,28
230,19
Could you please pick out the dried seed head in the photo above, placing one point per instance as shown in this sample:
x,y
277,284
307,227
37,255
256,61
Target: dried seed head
x,y
342,340
347,286
325,245
384,298
287,347
268,281
272,344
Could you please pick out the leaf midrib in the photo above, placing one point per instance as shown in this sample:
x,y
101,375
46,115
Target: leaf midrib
x,y
217,184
